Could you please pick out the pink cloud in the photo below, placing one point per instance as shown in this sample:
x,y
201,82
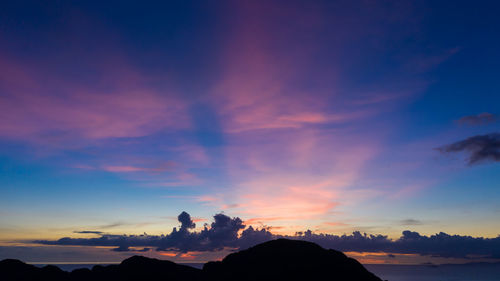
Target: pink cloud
x,y
127,169
283,159
256,90
294,180
138,165
192,153
254,221
207,199
39,107
203,199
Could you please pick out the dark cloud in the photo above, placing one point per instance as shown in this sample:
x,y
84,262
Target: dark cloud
x,y
186,221
481,148
121,249
441,244
223,233
112,225
88,232
480,119
410,222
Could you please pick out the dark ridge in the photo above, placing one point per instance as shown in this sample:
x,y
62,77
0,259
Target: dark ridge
x,y
285,259
280,259
19,271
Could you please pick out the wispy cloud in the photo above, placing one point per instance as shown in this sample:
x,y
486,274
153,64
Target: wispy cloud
x,y
479,119
167,166
410,222
129,107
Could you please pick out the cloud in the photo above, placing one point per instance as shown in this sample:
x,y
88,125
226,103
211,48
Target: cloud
x,y
128,169
88,232
112,225
127,249
186,221
480,119
410,222
37,107
121,249
224,232
481,148
439,245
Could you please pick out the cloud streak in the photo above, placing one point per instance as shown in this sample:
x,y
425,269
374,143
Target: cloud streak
x,y
88,232
480,119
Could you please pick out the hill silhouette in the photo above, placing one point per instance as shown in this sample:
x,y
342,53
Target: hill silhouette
x,y
284,259
280,259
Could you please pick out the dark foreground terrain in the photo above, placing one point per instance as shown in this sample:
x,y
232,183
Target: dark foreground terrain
x,y
274,260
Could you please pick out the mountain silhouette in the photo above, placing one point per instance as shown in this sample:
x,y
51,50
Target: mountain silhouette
x,y
280,259
284,259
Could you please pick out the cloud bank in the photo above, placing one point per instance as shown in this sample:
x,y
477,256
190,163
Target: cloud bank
x,y
226,232
481,148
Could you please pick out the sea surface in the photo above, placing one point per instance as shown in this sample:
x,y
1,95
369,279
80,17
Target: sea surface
x,y
468,272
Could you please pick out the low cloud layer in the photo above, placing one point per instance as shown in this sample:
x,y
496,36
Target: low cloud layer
x,y
481,148
227,232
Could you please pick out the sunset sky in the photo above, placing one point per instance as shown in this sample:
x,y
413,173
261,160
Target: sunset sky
x,y
328,116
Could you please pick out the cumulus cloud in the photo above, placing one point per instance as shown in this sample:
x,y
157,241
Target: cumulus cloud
x,y
227,232
480,148
186,221
223,232
480,119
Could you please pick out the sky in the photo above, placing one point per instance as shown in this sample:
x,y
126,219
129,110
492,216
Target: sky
x,y
372,127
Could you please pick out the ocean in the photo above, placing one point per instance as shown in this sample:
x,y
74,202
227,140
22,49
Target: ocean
x,y
467,272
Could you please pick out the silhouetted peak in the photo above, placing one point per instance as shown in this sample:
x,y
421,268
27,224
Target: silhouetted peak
x,y
284,259
138,260
141,261
11,262
11,269
287,245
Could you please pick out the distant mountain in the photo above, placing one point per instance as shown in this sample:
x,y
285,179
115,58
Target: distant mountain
x,y
280,259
